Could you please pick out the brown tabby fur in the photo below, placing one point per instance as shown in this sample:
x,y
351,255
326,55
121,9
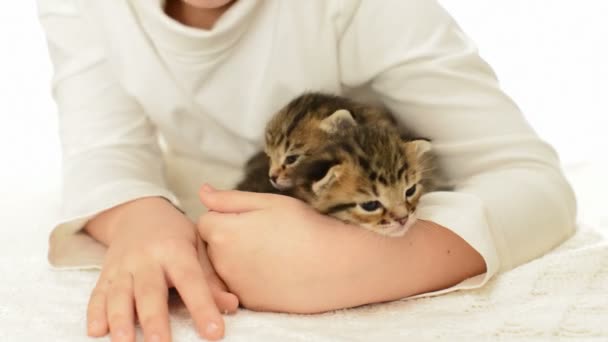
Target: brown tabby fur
x,y
356,161
370,163
296,130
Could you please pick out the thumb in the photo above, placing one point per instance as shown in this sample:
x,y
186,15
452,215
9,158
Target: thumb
x,y
234,201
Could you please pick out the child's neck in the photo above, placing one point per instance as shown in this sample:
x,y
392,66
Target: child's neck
x,y
189,15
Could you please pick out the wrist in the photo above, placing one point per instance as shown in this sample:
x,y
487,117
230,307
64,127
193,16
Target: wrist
x,y
105,225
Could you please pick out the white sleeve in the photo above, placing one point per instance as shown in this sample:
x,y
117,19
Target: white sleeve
x,y
511,201
110,149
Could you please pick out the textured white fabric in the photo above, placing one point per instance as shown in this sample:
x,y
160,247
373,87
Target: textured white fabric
x,y
124,71
559,297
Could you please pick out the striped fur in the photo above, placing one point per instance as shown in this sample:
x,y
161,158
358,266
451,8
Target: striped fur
x,y
296,130
340,171
369,163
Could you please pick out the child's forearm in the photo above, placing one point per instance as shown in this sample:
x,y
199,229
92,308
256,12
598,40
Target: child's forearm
x,y
428,258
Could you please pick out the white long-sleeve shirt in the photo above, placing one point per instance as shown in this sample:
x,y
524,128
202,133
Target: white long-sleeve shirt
x,y
125,73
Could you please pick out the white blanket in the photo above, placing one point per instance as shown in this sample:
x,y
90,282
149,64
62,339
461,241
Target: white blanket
x,y
563,295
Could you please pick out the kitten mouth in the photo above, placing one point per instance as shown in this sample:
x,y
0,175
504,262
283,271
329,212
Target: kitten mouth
x,y
395,229
281,184
410,221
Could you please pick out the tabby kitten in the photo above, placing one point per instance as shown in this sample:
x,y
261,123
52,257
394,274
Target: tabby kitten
x,y
369,176
256,176
306,123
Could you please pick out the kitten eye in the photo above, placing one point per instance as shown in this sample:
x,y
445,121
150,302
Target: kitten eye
x,y
411,191
370,206
291,159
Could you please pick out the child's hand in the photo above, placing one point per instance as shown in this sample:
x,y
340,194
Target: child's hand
x,y
277,254
151,248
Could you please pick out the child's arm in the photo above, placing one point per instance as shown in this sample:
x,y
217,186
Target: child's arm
x,y
111,157
277,254
510,201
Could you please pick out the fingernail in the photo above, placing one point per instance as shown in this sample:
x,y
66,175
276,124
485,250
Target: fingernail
x,y
154,338
212,328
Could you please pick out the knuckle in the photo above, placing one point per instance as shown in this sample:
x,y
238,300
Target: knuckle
x,y
208,221
223,269
207,218
117,319
211,235
217,238
203,220
121,292
148,292
170,247
150,321
186,274
130,261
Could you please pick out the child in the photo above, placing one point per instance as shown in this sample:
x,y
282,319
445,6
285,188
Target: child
x,y
206,75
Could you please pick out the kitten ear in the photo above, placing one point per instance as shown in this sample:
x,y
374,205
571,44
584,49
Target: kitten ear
x,y
320,174
339,120
417,147
332,175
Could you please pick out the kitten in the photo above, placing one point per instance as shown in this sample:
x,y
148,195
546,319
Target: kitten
x,y
369,176
346,160
256,176
305,124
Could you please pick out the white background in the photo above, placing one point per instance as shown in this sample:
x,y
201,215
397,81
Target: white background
x,y
550,55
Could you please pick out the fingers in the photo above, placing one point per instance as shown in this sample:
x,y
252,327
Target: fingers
x,y
212,226
226,302
233,201
192,286
120,311
151,294
96,310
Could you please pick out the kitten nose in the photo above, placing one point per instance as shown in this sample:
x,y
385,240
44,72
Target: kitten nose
x,y
273,178
402,220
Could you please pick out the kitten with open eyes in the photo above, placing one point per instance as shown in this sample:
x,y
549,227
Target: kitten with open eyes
x,y
345,159
369,176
